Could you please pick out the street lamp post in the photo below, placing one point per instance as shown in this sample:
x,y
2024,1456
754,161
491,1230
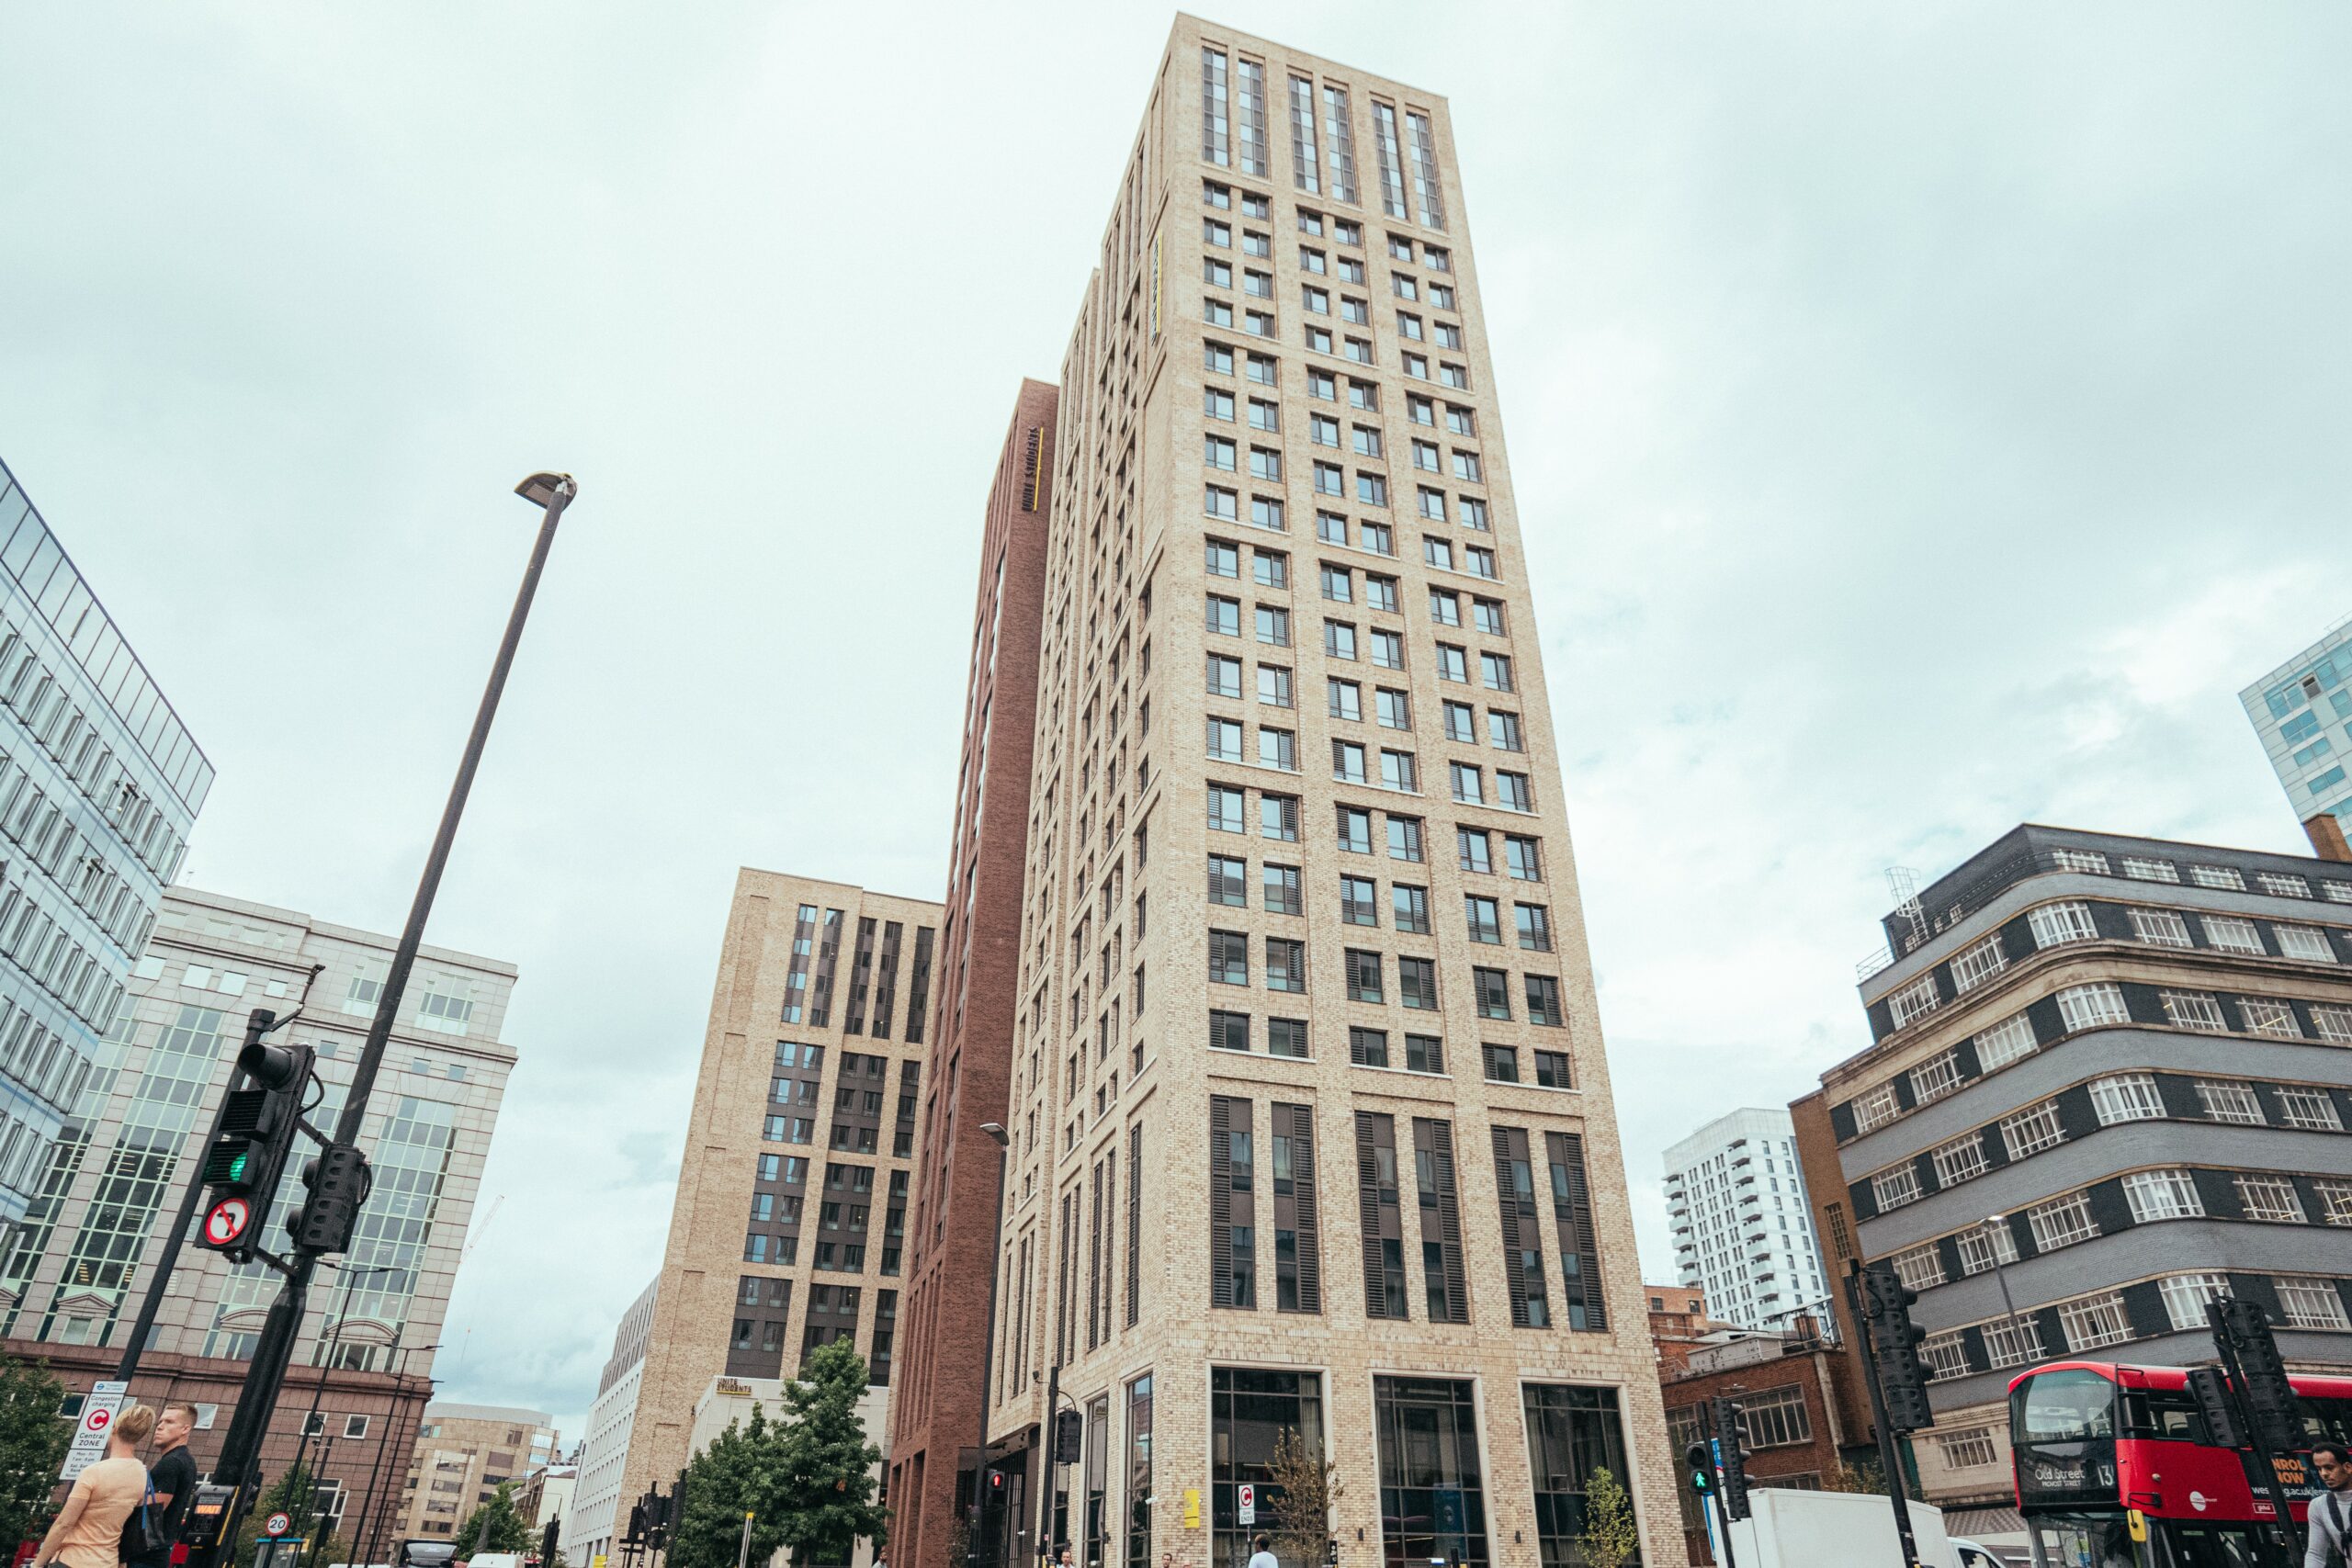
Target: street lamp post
x,y
326,1363
1004,1143
241,1449
1993,1225
364,1538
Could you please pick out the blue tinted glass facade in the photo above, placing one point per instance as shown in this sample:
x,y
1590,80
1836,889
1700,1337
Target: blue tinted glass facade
x,y
99,785
2302,710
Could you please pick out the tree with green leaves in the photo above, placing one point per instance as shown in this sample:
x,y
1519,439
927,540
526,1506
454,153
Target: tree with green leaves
x,y
32,1446
508,1530
805,1480
825,1478
1610,1537
294,1493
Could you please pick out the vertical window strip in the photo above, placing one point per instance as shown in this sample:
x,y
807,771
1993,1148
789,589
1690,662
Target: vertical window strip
x,y
1377,1210
1213,124
1342,139
1135,1224
1249,103
1578,1240
1392,173
1442,1211
1522,1244
1306,160
1423,144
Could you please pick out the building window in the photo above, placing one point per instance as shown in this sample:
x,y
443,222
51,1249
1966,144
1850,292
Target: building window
x,y
2146,870
1501,1062
1247,1409
1551,1069
2185,1296
2309,1109
2031,1131
1935,1077
1945,1354
1913,1001
2334,1023
1961,1161
1896,1188
2012,1342
2062,1222
1978,964
2088,1007
1214,124
2224,1101
1875,1107
2193,1010
1970,1450
1984,1246
2270,1198
2217,876
1920,1268
1521,1237
2054,925
2162,1195
1233,1261
2268,1015
1433,1494
2312,1304
2126,1096
2088,863
1571,1432
1368,1047
1228,1031
1777,1418
2283,886
1286,1037
2231,934
2305,943
2162,928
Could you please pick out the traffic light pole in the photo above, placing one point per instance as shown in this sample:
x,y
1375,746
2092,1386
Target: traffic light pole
x,y
2225,1340
1714,1498
241,1451
1890,1459
257,1023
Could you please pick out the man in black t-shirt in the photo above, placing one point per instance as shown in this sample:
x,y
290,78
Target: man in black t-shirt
x,y
172,1475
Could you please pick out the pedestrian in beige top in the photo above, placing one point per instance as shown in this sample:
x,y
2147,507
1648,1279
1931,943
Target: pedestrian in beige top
x,y
89,1531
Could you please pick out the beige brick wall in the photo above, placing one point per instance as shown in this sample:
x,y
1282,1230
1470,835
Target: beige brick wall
x,y
703,1261
1128,520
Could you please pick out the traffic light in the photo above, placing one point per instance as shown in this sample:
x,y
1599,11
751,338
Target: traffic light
x,y
1702,1469
2210,1388
258,1123
1895,1348
636,1536
1069,1428
1731,1442
338,1181
2271,1406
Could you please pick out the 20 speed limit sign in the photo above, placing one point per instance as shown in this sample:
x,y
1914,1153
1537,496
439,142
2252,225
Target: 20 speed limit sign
x,y
276,1524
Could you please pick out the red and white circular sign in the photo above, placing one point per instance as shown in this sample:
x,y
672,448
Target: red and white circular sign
x,y
276,1524
227,1221
97,1419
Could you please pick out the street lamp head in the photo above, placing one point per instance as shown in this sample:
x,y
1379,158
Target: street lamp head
x,y
1995,1220
547,490
998,1132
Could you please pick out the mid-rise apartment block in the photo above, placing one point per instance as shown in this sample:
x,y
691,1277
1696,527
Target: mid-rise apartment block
x,y
464,1454
936,1413
788,1231
597,1517
1742,1227
2301,710
2109,1076
1300,929
99,786
78,1266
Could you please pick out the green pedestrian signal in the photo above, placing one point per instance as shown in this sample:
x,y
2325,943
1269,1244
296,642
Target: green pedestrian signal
x,y
1701,1462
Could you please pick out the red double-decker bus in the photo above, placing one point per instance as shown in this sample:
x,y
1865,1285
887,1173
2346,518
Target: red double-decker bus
x,y
2115,1468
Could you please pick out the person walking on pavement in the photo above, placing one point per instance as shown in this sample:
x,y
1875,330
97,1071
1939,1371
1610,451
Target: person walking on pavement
x,y
88,1530
172,1480
1262,1554
2331,1509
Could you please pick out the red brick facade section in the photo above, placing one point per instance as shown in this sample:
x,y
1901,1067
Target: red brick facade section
x,y
936,1405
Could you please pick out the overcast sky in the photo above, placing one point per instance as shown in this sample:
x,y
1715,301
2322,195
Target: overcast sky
x,y
1925,417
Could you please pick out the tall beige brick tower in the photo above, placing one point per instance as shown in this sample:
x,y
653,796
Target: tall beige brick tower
x,y
1300,932
788,1231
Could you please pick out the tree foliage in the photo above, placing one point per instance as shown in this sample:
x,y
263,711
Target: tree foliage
x,y
1301,1488
509,1530
32,1445
294,1493
1610,1536
1863,1477
806,1480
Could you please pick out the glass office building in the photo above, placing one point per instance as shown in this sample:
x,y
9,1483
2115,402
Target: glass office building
x,y
2301,710
99,785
